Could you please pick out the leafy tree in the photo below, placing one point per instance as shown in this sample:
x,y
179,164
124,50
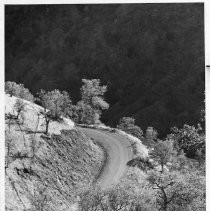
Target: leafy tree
x,y
150,136
92,102
120,198
11,88
188,138
19,107
74,113
47,113
86,113
163,153
127,124
55,104
18,90
66,103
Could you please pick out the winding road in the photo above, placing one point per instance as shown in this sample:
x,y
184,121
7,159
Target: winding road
x,y
119,151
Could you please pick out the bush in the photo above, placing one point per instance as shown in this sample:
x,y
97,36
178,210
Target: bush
x,y
127,124
115,198
18,90
143,163
188,138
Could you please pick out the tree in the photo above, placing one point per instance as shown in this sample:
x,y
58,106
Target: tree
x,y
127,124
86,113
18,90
162,153
92,100
73,113
66,103
11,88
19,107
121,198
174,190
150,136
188,138
55,104
46,104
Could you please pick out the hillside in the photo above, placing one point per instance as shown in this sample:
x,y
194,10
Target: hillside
x,y
151,56
45,172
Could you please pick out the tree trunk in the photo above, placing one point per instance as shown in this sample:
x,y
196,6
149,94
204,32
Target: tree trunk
x,y
165,200
18,115
47,126
162,167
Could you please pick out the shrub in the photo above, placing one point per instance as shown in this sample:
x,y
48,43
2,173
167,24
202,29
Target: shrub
x,y
18,90
188,138
127,124
143,163
116,198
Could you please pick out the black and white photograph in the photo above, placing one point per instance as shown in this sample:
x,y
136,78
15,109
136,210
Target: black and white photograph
x,y
104,106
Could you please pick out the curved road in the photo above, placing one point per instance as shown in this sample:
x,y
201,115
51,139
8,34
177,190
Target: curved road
x,y
119,152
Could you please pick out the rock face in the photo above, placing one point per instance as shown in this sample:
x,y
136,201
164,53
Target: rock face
x,y
47,172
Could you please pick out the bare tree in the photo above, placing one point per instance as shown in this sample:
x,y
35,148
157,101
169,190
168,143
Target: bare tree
x,y
174,192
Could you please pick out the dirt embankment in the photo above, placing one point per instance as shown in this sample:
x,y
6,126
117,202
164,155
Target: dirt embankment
x,y
46,172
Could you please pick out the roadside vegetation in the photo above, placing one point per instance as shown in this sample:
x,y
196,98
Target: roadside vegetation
x,y
46,158
171,177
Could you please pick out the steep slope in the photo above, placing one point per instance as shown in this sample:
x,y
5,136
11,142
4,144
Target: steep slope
x,y
46,172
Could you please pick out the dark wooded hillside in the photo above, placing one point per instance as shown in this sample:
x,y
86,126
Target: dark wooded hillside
x,y
151,56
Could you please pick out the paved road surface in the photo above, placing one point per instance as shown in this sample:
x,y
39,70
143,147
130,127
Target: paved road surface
x,y
119,152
